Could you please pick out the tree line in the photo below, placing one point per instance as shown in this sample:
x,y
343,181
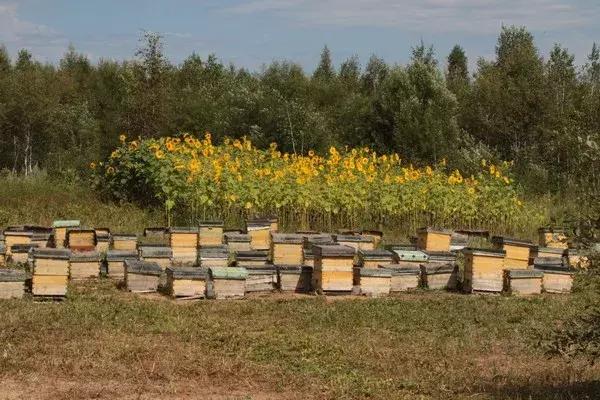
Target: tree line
x,y
544,114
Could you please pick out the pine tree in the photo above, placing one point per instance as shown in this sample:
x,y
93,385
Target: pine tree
x,y
457,75
324,71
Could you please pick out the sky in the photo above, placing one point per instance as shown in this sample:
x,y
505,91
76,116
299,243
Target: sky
x,y
252,33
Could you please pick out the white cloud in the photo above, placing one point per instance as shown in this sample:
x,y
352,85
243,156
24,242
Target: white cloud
x,y
13,29
472,16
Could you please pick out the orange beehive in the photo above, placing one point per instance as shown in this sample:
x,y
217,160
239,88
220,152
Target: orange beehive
x,y
286,249
430,239
79,239
333,268
210,233
518,252
484,270
260,234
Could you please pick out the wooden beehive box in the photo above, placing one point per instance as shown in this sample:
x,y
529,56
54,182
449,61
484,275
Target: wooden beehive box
x,y
124,241
162,255
187,282
523,281
260,234
409,256
184,242
50,272
261,279
375,236
374,258
333,268
308,258
79,239
404,277
41,239
553,237
157,232
294,278
309,240
19,253
237,241
286,249
458,241
12,283
210,233
357,242
373,282
60,231
577,259
102,240
217,256
430,239
84,265
14,237
550,252
115,263
251,258
142,276
227,282
484,270
518,252
557,278
440,271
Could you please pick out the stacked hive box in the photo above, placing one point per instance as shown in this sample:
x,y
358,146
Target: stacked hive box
x,y
81,240
115,263
60,231
50,272
523,281
404,277
375,236
16,236
310,239
557,278
227,282
41,238
373,282
294,278
252,258
184,242
84,265
333,268
142,276
217,256
357,242
19,253
260,234
12,283
484,270
430,239
102,240
550,252
162,255
518,252
124,241
374,258
286,249
159,232
553,237
237,241
210,233
261,279
186,282
440,271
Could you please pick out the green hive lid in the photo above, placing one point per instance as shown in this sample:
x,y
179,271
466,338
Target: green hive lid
x,y
402,269
258,255
121,255
375,254
287,238
156,252
54,254
85,256
23,248
411,255
142,267
183,229
434,230
234,273
351,238
69,223
235,237
484,252
501,240
435,268
12,275
523,273
334,250
441,256
374,272
552,250
193,273
210,224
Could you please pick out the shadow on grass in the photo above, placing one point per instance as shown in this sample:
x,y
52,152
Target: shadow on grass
x,y
571,391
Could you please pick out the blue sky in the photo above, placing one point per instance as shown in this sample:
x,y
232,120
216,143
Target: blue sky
x,y
253,32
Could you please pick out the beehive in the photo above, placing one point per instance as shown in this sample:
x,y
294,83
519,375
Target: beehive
x,y
430,239
217,256
237,241
41,239
294,278
484,270
19,253
403,277
357,242
333,268
157,232
317,238
437,276
553,237
60,231
409,257
184,242
372,282
50,272
81,239
12,283
261,279
84,265
115,263
374,258
550,252
102,240
251,258
458,241
227,282
162,255
210,233
308,258
557,278
523,281
375,236
14,237
142,276
518,252
286,249
260,234
124,241
577,259
186,282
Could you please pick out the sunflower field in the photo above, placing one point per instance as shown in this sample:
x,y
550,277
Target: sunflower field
x,y
194,179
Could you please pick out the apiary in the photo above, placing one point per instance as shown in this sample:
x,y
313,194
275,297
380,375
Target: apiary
x,y
237,241
357,242
19,253
484,270
162,255
124,241
430,239
252,258
210,233
227,282
261,279
260,234
60,231
333,268
102,240
375,236
142,276
518,252
374,258
294,278
577,259
14,237
213,257
187,282
84,265
557,278
549,252
553,237
523,281
12,283
115,263
41,239
79,239
373,282
184,242
286,249
404,277
50,272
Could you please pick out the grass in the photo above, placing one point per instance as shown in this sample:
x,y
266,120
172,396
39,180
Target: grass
x,y
104,343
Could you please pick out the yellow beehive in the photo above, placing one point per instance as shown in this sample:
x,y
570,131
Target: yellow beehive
x,y
294,278
523,281
518,252
430,239
375,236
404,277
217,256
115,263
50,272
19,253
124,241
210,233
558,278
142,276
553,237
60,231
260,234
484,270
286,249
226,282
12,283
577,260
102,240
186,282
373,282
84,265
550,252
81,239
357,242
237,241
41,239
16,237
374,258
184,242
161,255
333,268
